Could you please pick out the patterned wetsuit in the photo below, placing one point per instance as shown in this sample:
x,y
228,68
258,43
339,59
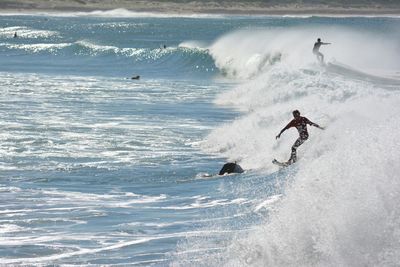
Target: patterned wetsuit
x,y
301,126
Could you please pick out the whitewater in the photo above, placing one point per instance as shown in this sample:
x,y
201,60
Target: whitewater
x,y
100,169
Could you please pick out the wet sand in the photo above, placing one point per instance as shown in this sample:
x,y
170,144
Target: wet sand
x,y
282,7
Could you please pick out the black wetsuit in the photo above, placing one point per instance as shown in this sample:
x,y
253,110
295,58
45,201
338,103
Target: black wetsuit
x,y
316,52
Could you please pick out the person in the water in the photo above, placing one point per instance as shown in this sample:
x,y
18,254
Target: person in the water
x,y
316,52
301,125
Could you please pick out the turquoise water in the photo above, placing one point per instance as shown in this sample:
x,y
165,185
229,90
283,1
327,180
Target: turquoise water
x,y
97,168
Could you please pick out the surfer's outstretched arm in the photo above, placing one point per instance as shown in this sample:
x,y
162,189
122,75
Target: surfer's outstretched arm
x,y
290,124
315,125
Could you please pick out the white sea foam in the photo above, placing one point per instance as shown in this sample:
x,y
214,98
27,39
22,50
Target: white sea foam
x,y
121,25
194,45
65,133
341,200
35,48
247,53
99,48
10,228
68,253
87,201
268,203
201,204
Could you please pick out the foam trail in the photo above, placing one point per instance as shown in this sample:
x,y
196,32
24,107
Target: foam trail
x,y
117,245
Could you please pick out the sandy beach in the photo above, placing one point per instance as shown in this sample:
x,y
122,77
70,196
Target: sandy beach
x,y
288,7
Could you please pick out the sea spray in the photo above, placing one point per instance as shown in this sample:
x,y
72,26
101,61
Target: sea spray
x,y
247,53
340,201
342,207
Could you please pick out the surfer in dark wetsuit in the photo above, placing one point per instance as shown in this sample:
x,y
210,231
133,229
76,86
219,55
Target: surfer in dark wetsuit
x,y
316,52
301,125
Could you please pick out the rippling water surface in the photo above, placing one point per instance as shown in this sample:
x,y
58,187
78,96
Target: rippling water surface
x,y
97,168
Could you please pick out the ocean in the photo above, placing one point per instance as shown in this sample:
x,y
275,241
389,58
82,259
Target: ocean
x,y
100,169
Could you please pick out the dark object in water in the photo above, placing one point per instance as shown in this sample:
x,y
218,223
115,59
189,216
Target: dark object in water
x,y
231,168
135,77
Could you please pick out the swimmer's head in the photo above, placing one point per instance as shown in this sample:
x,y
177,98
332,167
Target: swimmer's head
x,y
319,39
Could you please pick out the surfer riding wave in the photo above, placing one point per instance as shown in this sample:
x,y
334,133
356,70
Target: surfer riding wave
x,y
316,52
301,125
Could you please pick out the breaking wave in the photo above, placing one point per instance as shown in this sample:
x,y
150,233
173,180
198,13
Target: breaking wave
x,y
339,204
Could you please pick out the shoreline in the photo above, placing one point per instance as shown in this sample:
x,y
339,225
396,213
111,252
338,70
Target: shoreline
x,y
152,12
192,8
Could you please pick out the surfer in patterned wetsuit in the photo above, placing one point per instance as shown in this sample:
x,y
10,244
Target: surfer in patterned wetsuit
x,y
301,125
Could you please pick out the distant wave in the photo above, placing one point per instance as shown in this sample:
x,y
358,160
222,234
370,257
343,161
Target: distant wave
x,y
26,32
179,57
116,13
37,48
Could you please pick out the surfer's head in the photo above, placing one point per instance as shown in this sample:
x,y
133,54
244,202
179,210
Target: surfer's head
x,y
319,39
296,113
